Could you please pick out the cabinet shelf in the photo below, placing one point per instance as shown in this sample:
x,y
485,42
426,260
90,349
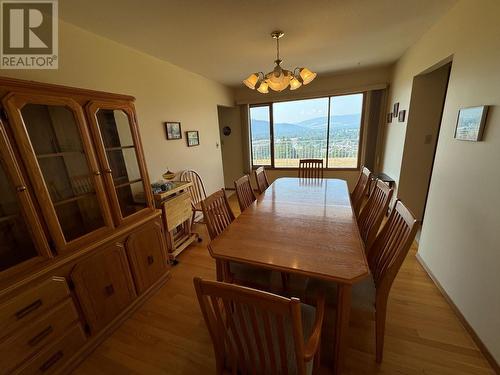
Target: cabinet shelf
x,y
128,183
73,199
8,218
59,154
118,148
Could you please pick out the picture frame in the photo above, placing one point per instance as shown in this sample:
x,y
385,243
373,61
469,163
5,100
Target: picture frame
x,y
470,123
173,130
402,115
389,117
395,109
193,138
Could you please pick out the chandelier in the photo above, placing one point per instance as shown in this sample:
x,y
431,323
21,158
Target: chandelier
x,y
279,79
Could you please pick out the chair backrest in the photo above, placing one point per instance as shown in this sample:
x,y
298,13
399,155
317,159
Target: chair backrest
x,y
217,213
244,192
311,168
361,189
261,179
391,246
250,329
197,190
373,212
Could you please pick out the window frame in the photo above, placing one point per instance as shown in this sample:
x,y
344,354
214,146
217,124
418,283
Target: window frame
x,y
271,130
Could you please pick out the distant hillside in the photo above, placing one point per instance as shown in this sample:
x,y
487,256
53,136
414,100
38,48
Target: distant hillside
x,y
305,129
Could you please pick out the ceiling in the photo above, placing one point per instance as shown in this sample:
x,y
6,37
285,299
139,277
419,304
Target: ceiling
x,y
225,40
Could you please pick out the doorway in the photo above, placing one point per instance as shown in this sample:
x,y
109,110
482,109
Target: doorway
x,y
231,142
424,122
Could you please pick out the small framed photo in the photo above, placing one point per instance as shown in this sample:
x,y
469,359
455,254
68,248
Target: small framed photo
x,y
173,130
389,117
193,138
395,109
402,115
470,123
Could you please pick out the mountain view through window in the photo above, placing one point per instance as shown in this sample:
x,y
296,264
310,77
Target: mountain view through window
x,y
323,128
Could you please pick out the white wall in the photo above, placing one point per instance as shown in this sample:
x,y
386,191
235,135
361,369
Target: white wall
x,y
164,92
459,241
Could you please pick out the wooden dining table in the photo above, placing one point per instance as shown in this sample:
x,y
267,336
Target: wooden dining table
x,y
306,227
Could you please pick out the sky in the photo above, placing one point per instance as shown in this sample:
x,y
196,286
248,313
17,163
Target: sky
x,y
301,110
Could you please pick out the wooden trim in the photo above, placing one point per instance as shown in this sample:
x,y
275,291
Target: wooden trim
x,y
12,84
477,340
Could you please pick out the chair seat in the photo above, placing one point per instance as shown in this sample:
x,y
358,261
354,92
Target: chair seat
x,y
308,320
363,293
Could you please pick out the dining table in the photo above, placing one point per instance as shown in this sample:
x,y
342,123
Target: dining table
x,y
303,226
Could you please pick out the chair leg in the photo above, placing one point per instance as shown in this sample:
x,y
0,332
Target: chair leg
x,y
380,317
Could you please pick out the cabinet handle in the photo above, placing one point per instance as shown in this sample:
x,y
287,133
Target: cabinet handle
x,y
38,338
21,188
109,289
151,259
28,309
97,173
51,361
107,170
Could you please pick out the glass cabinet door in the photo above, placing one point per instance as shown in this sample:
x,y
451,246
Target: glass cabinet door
x,y
21,235
119,148
57,149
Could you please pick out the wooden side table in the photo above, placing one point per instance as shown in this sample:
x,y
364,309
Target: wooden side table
x,y
176,212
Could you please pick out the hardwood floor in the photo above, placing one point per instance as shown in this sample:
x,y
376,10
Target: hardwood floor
x,y
168,335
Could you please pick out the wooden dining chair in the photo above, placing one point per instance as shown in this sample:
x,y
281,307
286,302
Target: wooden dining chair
x,y
261,179
360,190
373,212
258,332
385,257
311,168
218,215
197,191
244,192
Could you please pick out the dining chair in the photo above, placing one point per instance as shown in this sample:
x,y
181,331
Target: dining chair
x,y
244,192
258,332
360,190
261,179
218,215
197,191
385,257
373,212
311,168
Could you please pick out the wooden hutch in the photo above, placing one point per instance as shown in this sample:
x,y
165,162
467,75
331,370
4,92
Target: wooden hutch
x,y
81,244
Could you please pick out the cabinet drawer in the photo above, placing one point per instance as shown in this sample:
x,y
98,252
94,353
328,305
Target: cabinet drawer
x,y
23,344
103,285
31,304
53,358
147,255
177,210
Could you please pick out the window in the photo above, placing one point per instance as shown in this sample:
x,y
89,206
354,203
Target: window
x,y
324,128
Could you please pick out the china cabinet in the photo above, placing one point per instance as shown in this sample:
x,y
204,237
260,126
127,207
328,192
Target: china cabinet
x,y
81,243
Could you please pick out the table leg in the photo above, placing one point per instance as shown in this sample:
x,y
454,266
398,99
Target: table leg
x,y
341,326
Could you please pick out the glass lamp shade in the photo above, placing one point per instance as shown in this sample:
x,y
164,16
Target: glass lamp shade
x,y
306,75
263,88
279,79
251,81
295,84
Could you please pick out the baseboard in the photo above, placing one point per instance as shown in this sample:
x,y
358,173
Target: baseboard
x,y
491,360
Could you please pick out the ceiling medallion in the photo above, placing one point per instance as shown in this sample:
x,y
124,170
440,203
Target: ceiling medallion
x,y
279,79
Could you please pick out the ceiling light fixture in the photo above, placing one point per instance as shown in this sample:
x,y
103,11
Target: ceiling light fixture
x,y
279,79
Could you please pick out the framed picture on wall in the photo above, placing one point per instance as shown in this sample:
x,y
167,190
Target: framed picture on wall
x,y
173,130
389,117
470,123
395,109
193,138
402,115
